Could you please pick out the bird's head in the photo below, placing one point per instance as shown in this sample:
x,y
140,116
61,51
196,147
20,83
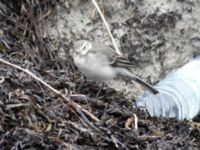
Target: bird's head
x,y
81,47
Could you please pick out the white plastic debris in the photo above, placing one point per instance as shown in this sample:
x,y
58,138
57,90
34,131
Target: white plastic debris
x,y
179,95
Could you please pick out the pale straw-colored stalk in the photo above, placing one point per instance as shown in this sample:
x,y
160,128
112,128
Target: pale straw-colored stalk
x,y
107,26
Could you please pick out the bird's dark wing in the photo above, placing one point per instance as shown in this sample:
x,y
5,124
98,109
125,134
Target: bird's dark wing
x,y
120,61
114,59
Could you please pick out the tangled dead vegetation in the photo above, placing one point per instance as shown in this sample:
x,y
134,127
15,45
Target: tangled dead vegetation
x,y
34,117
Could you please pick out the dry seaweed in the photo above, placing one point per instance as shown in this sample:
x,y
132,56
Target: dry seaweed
x,y
33,117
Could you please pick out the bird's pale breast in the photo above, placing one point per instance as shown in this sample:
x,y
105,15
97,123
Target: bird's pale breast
x,y
92,67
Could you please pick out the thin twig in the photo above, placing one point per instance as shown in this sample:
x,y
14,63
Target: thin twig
x,y
107,27
11,106
36,78
135,121
67,100
90,115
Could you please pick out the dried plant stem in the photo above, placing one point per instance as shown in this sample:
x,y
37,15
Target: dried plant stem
x,y
107,27
36,78
67,100
135,121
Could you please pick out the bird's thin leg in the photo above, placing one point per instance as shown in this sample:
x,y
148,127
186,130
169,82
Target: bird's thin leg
x,y
100,89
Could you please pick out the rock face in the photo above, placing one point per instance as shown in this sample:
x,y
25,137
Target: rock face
x,y
158,36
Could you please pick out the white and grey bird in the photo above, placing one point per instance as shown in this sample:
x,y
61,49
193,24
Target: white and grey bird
x,y
100,62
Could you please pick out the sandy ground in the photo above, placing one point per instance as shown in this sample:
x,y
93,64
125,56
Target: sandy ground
x,y
159,36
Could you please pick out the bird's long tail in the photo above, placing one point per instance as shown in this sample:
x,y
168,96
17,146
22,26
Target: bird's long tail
x,y
128,74
146,85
